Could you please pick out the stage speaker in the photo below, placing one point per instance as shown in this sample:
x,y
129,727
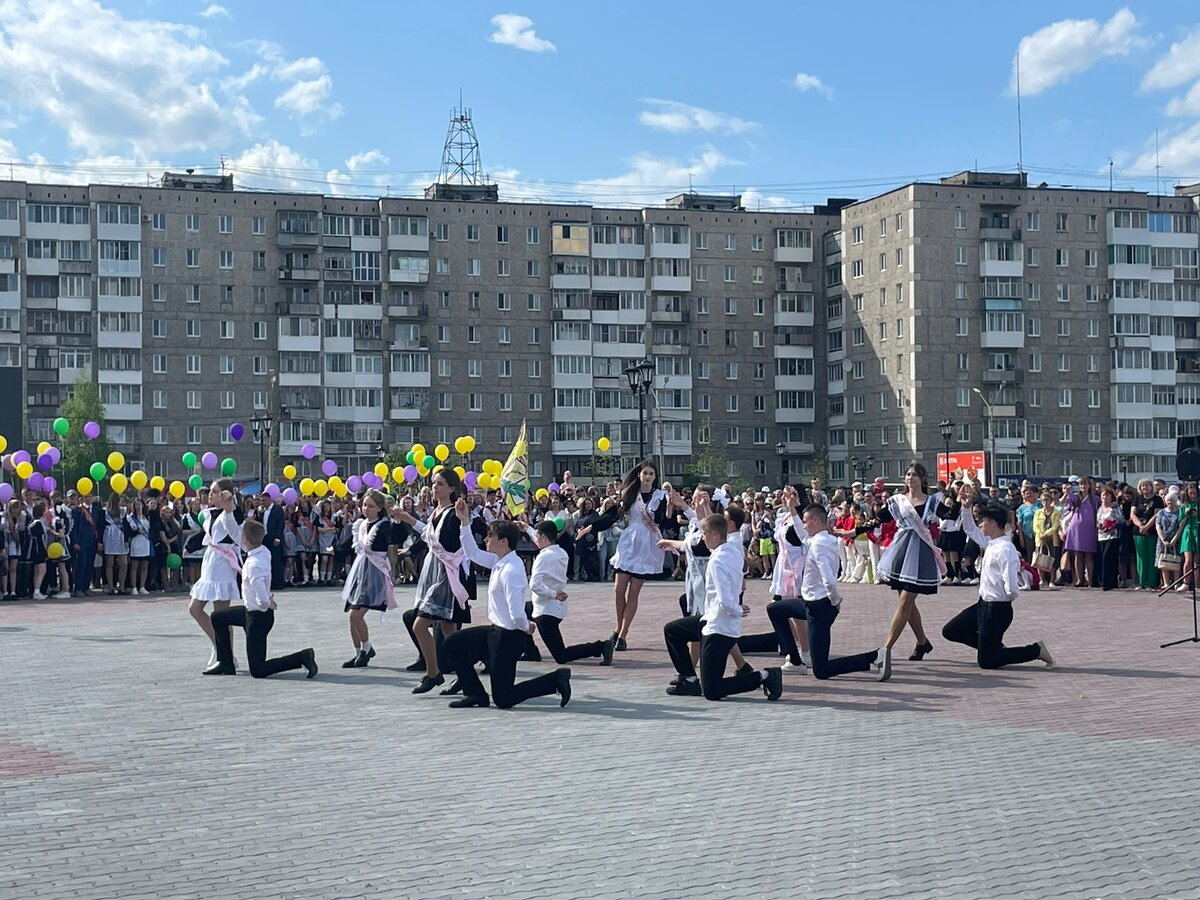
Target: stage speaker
x,y
1187,458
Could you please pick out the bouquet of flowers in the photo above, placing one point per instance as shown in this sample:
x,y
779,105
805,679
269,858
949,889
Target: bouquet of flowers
x,y
1108,525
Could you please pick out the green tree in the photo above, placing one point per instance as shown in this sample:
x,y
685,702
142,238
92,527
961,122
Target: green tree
x,y
818,466
711,464
78,453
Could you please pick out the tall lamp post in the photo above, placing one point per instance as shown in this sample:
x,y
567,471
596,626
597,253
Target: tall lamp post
x,y
641,378
946,427
781,449
1124,461
991,427
861,469
1023,449
261,426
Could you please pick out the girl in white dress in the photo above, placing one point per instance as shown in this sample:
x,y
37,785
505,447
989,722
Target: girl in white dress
x,y
218,583
137,526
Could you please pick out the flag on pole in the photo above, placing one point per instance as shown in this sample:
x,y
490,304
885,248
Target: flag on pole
x,y
514,477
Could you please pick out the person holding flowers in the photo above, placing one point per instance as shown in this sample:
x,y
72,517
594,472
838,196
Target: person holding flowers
x,y
1109,520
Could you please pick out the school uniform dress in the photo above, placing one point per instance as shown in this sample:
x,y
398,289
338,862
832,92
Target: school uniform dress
x,y
437,597
909,563
222,560
369,583
503,641
637,552
115,542
549,576
982,625
139,541
257,618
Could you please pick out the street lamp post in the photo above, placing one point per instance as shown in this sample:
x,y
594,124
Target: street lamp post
x,y
862,469
947,429
641,378
991,427
781,449
261,426
1022,450
1124,461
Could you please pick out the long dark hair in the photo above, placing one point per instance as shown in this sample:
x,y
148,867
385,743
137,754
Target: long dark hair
x,y
453,482
921,473
632,485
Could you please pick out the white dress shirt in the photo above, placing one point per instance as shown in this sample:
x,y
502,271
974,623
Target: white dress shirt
x,y
819,576
1000,565
723,591
548,578
256,579
506,586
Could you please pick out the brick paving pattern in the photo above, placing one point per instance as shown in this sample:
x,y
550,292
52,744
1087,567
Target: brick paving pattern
x,y
125,774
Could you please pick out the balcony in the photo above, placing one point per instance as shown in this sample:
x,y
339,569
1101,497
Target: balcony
x,y
413,311
410,344
408,276
9,266
292,274
793,255
336,274
670,315
671,284
304,413
297,239
570,281
368,344
669,349
786,286
1002,340
1003,376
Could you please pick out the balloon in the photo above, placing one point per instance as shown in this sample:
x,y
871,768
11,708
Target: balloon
x,y
560,523
43,446
61,426
354,484
329,467
422,471
119,482
237,431
174,562
441,451
289,472
177,489
116,460
308,451
429,462
471,480
24,470
398,474
200,517
158,483
209,460
20,456
410,458
37,481
339,489
84,485
380,469
320,487
55,455
196,482
306,486
410,473
45,462
553,487
3,443
483,481
272,490
290,497
418,450
189,459
55,550
228,467
91,431
49,484
437,469
541,494
460,472
6,492
604,444
468,443
138,479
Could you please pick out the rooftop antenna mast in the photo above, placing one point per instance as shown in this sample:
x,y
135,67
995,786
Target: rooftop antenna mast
x,y
1020,135
461,162
1157,170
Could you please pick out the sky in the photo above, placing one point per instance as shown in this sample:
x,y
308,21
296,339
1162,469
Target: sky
x,y
614,103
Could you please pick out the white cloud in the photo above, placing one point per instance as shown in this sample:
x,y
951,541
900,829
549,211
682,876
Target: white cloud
x,y
273,166
358,179
752,198
1187,105
1178,155
1051,55
215,11
307,98
1180,65
517,31
673,116
807,82
308,94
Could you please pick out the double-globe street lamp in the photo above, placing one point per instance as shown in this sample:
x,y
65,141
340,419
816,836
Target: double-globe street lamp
x,y
641,379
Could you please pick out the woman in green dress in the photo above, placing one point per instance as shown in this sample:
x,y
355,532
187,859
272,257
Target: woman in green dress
x,y
1188,541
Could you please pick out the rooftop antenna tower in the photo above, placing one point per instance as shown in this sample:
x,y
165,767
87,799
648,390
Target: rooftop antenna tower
x,y
461,162
1020,136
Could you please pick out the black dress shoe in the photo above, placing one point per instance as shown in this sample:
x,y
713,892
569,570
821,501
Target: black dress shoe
x,y
919,653
621,645
564,686
455,688
773,684
684,688
418,666
221,669
428,684
606,652
531,655
370,655
310,662
467,702
359,660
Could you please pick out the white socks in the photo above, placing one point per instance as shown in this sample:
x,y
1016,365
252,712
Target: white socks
x,y
806,658
366,647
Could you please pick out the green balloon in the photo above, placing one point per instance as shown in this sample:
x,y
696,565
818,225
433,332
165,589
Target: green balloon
x,y
228,467
174,563
560,524
189,459
200,517
97,471
410,459
61,426
196,481
429,462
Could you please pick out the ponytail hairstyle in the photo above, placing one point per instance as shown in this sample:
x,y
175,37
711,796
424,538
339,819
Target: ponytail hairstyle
x,y
632,485
457,490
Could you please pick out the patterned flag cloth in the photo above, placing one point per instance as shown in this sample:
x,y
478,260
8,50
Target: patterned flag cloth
x,y
514,477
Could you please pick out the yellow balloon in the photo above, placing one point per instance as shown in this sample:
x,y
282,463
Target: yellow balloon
x,y
437,469
43,447
118,481
3,443
116,460
55,550
306,486
470,443
24,469
320,487
339,489
484,482
542,493
84,485
497,467
398,474
157,483
422,471
460,445
289,471
460,472
334,481
177,489
381,469
138,479
418,451
604,444
441,452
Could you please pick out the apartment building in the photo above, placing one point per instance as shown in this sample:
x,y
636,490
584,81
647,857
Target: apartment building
x,y
358,324
1055,328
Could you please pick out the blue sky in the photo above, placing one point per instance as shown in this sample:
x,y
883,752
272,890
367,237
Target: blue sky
x,y
786,102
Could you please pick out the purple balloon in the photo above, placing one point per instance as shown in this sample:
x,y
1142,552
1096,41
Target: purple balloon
x,y
6,492
45,461
553,487
308,451
55,454
6,462
290,496
19,457
329,467
272,491
354,484
410,474
91,431
209,460
471,480
237,431
35,482
49,485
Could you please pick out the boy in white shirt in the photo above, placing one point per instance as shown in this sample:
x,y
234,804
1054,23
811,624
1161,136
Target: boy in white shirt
x,y
548,583
257,616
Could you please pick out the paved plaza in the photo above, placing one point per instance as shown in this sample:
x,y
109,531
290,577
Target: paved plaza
x,y
124,773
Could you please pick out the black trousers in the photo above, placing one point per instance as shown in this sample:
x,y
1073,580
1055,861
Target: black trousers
x,y
278,561
258,625
589,562
501,648
85,559
550,628
1107,563
679,633
781,612
821,614
714,654
982,626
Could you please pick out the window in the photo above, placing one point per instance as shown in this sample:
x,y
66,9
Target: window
x,y
226,364
964,362
961,326
258,225
158,328
193,364
1064,362
225,224
504,267
227,330
193,399
1064,433
1060,222
1035,362
1093,328
962,397
473,267
1033,256
443,334
1064,327
191,222
1064,398
1062,257
960,255
535,402
1093,398
730,274
160,364
193,328
1093,433
225,260
474,368
1033,327
1091,258
960,219
193,258
535,368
